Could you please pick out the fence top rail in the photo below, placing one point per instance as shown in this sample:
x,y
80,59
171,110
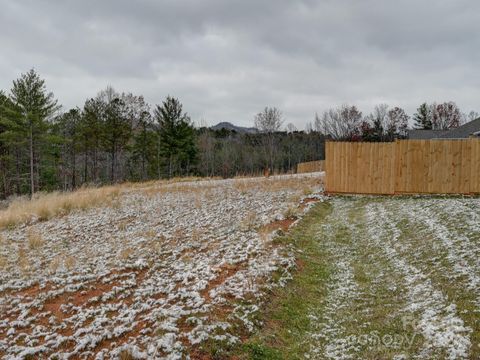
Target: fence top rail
x,y
401,140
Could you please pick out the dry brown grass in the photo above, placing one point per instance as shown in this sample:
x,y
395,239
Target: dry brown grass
x,y
35,240
23,261
3,261
46,206
292,212
149,234
264,233
126,355
123,225
54,264
70,263
305,184
307,191
179,234
249,221
125,254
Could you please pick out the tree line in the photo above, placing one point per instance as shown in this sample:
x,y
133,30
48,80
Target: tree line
x,y
117,137
347,122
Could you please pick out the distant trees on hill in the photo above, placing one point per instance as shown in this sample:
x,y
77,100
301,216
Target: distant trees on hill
x,y
117,137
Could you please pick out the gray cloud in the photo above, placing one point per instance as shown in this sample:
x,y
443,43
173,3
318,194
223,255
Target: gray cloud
x,y
226,60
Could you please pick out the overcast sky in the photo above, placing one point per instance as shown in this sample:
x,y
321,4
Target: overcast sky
x,y
226,60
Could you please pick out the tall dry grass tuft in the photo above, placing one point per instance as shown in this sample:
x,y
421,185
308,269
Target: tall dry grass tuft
x,y
35,240
3,261
54,264
125,254
22,261
292,212
45,206
126,355
70,263
249,221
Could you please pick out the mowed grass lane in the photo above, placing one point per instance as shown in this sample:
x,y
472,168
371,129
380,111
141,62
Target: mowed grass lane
x,y
379,278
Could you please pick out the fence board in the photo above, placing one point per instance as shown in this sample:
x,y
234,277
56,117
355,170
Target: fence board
x,y
311,166
406,166
475,168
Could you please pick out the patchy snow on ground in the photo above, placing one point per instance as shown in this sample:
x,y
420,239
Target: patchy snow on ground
x,y
162,271
439,321
403,268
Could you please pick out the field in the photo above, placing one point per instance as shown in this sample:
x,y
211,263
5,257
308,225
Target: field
x,y
380,278
163,269
249,268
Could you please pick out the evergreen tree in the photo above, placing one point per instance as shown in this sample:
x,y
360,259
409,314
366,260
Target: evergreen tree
x,y
90,133
36,107
176,136
117,132
67,131
13,142
144,148
423,117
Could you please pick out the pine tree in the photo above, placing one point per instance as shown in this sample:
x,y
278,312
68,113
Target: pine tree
x,y
90,130
13,138
176,136
5,155
117,132
36,107
144,149
423,117
67,131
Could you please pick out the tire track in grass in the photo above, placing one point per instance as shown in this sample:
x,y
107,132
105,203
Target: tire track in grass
x,y
362,315
460,252
329,338
448,270
443,330
464,214
461,218
385,332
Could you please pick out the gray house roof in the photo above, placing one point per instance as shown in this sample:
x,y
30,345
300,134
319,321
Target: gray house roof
x,y
467,130
425,134
464,131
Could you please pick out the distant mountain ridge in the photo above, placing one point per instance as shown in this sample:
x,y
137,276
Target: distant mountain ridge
x,y
230,126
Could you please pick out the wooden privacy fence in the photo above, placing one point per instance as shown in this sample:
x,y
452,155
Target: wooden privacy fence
x,y
311,166
403,166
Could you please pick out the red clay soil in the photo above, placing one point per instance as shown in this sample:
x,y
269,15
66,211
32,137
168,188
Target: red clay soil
x,y
306,201
284,225
78,298
226,271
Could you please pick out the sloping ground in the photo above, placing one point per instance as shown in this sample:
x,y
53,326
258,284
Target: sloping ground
x,y
164,271
381,278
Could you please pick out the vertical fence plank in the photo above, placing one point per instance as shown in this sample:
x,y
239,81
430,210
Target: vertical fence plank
x,y
330,175
466,165
475,173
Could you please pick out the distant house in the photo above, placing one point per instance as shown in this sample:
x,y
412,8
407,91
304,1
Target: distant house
x,y
425,134
468,130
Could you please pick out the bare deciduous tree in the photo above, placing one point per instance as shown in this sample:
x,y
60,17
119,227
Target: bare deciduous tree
x,y
269,121
341,123
397,123
291,128
445,116
472,115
